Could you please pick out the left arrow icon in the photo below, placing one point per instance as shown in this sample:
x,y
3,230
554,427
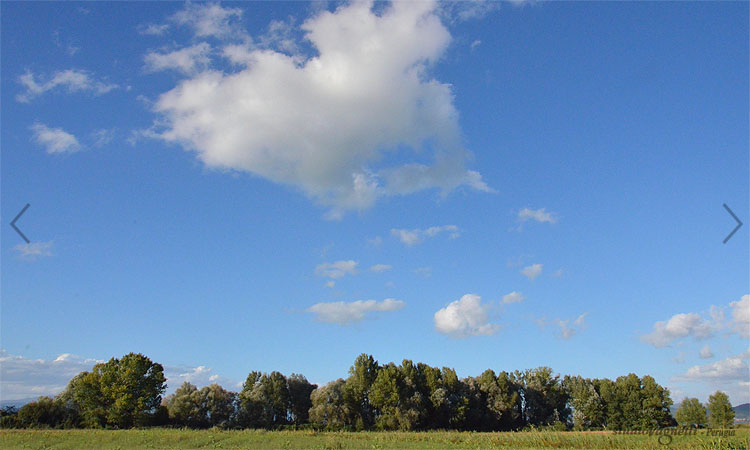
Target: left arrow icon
x,y
13,223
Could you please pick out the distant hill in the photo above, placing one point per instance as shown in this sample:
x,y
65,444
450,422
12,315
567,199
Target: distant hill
x,y
17,403
742,412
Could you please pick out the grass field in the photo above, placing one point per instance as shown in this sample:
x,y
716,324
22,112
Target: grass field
x,y
255,439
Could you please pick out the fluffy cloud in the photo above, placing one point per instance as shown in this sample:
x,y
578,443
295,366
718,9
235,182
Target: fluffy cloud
x,y
513,297
706,352
24,378
34,250
29,378
55,140
325,124
186,60
336,269
72,80
465,317
416,236
677,327
741,316
379,268
209,19
540,215
344,313
532,271
734,368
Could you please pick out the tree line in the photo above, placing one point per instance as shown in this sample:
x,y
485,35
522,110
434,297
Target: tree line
x,y
128,392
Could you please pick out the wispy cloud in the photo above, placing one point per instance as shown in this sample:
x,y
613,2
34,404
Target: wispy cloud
x,y
55,140
706,352
417,235
379,268
34,250
344,313
208,19
741,316
71,80
153,29
464,318
187,60
566,328
336,269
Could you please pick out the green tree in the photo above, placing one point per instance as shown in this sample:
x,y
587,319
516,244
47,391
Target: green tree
x,y
543,398
357,391
299,398
655,403
45,412
585,401
691,413
131,388
216,405
329,409
250,406
721,414
385,396
184,407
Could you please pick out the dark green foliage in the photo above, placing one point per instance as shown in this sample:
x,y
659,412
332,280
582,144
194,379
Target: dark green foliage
x,y
127,393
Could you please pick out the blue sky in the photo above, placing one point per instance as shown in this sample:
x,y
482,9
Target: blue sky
x,y
282,186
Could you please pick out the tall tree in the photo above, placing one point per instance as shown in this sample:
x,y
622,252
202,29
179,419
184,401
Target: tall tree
x,y
721,414
357,392
691,413
299,398
329,409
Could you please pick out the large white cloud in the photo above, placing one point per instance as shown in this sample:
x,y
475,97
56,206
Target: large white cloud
x,y
465,317
679,326
344,313
359,120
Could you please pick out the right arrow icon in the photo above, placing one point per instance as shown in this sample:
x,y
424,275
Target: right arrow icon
x,y
739,223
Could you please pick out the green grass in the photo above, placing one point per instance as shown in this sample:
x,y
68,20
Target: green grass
x,y
257,439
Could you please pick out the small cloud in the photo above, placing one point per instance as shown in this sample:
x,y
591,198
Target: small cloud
x,y
416,236
465,317
152,29
539,215
679,359
55,140
557,273
379,268
513,297
568,330
706,352
476,44
336,269
532,271
34,250
344,313
330,284
424,271
72,80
